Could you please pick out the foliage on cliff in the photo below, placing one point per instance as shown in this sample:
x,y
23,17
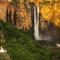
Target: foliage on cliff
x,y
21,46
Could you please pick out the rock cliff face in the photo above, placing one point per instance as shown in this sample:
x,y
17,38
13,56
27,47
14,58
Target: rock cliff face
x,y
20,14
5,8
49,10
21,17
24,16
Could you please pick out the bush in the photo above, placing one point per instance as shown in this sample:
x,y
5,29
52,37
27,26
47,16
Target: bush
x,y
21,46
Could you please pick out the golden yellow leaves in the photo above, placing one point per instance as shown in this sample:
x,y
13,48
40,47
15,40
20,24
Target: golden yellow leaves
x,y
41,1
57,14
46,11
35,1
51,13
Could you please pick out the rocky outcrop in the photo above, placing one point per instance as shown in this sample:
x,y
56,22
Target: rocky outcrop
x,y
21,14
5,7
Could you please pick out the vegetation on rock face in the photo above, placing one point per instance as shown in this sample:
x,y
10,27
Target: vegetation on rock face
x,y
21,46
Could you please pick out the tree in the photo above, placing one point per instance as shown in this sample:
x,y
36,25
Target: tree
x,y
10,16
32,13
7,15
15,18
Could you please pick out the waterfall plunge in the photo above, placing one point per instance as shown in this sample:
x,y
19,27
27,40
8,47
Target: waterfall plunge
x,y
36,26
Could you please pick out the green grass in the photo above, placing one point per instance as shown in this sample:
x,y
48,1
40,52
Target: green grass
x,y
21,46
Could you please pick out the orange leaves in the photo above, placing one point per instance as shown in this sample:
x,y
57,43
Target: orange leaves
x,y
3,7
26,24
50,12
26,21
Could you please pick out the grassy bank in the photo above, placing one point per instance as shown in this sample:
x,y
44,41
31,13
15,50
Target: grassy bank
x,y
21,46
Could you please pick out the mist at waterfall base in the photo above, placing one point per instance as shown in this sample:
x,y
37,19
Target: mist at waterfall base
x,y
37,35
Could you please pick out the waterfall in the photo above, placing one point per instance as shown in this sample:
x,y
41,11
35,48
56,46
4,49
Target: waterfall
x,y
36,26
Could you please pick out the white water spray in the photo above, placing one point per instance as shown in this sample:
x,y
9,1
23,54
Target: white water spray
x,y
2,50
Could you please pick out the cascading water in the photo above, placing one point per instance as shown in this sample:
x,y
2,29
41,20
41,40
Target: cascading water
x,y
36,26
